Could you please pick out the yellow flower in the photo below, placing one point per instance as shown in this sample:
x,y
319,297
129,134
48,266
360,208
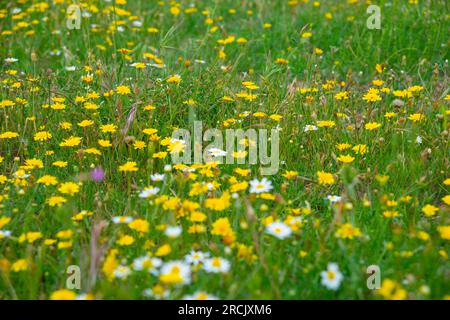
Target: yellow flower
x,y
446,199
218,204
175,10
48,180
56,201
281,61
30,237
444,232
348,231
163,250
415,117
429,210
325,178
108,128
390,213
85,123
71,142
325,124
60,164
391,290
4,221
174,79
372,97
221,227
104,143
110,264
139,65
360,149
64,234
8,135
382,179
42,136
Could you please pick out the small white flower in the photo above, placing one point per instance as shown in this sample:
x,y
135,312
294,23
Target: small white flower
x,y
148,192
11,60
332,277
257,186
122,219
167,168
200,295
196,257
5,234
71,68
122,272
120,29
147,263
137,23
173,231
216,265
334,199
279,230
157,177
216,152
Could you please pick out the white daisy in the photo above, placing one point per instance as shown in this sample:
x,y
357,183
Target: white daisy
x,y
279,229
257,186
216,265
196,257
147,263
309,127
11,60
332,277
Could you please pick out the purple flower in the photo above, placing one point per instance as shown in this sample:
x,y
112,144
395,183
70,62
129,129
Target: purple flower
x,y
97,174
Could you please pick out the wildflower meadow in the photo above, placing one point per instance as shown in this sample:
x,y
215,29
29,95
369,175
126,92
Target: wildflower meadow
x,y
254,149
